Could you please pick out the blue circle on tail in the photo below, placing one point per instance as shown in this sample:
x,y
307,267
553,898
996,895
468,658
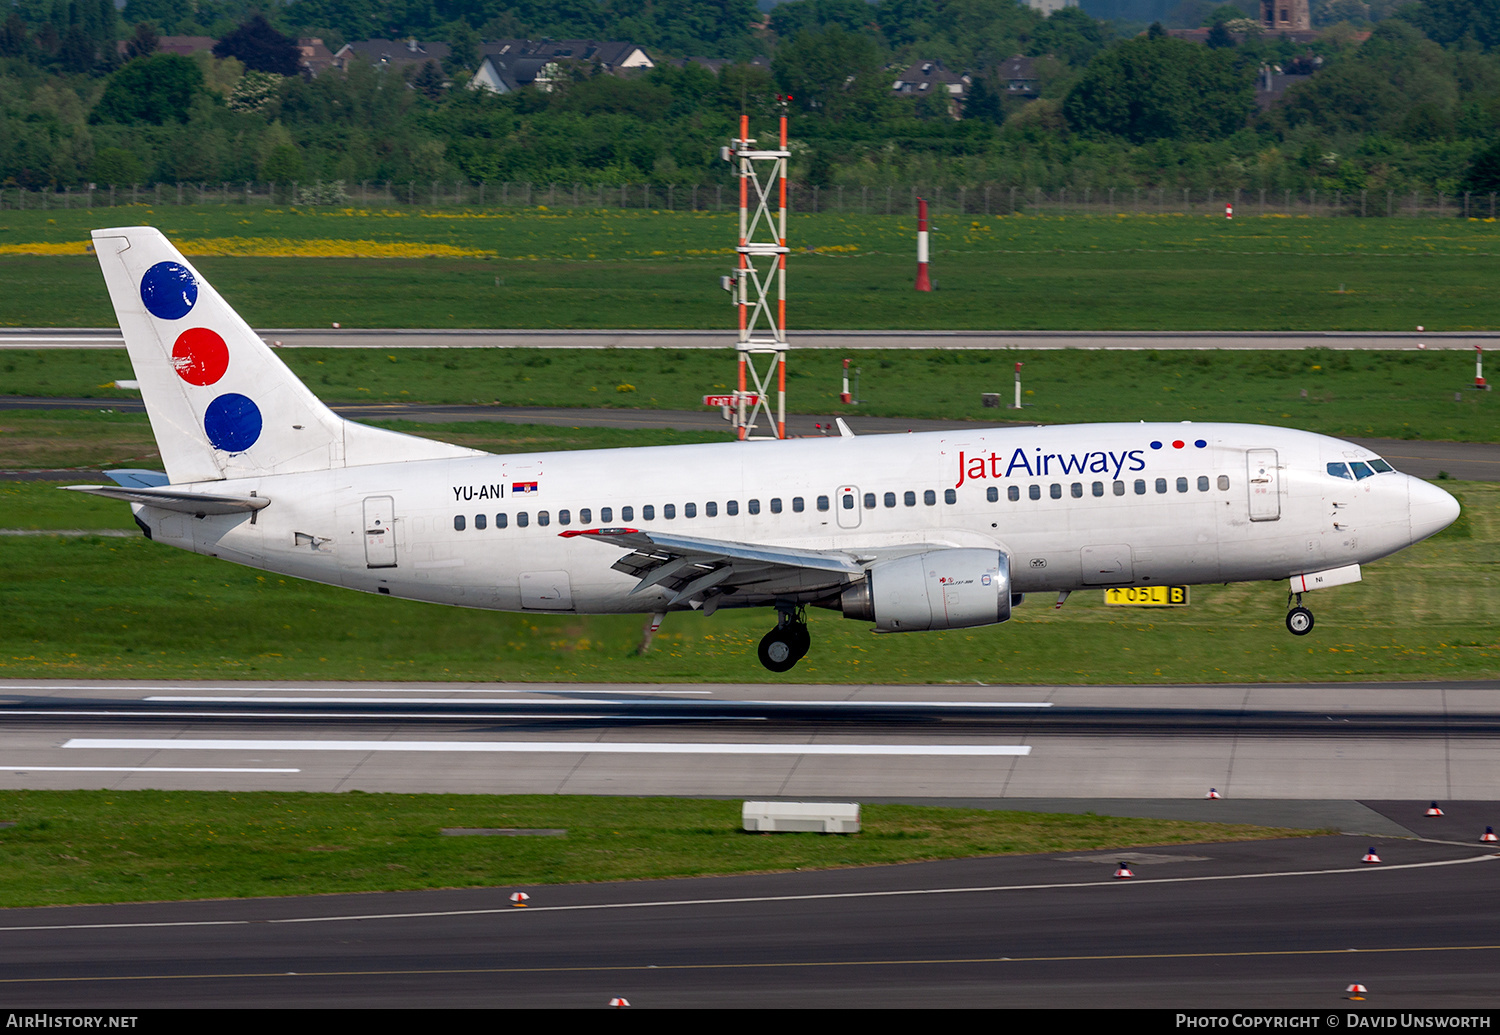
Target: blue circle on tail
x,y
169,290
233,423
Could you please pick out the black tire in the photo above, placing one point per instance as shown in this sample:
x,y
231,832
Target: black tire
x,y
778,650
1299,621
801,639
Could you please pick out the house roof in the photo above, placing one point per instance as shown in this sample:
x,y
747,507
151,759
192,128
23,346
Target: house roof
x,y
392,52
925,77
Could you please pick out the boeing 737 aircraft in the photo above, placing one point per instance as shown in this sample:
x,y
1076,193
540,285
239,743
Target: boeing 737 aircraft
x,y
933,531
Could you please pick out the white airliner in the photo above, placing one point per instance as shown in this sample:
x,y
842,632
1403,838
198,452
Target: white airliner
x,y
932,531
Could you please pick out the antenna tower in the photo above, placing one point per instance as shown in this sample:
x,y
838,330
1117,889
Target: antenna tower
x,y
759,282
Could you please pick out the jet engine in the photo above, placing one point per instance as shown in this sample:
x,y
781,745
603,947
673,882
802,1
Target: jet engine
x,y
941,589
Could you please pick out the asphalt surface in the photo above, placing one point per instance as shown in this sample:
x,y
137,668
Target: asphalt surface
x,y
1284,924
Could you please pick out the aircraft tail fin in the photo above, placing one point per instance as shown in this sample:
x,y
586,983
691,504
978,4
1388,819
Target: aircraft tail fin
x,y
221,403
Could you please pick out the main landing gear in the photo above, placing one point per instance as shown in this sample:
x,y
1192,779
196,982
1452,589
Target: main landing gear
x,y
1299,620
787,644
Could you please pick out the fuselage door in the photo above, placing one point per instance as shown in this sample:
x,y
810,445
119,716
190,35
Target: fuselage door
x,y
380,532
1265,484
846,505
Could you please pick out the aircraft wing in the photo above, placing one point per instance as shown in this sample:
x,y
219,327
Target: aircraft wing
x,y
708,571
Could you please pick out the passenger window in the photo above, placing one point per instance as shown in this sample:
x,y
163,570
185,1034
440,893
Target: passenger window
x,y
459,523
627,513
1098,488
479,521
648,513
754,506
501,521
523,519
586,516
564,517
909,498
732,507
1140,486
797,505
1077,490
1203,483
992,494
950,496
1182,485
1224,482
776,505
1013,493
1055,491
669,511
543,517
1340,471
1035,492
1119,488
606,514
869,501
890,499
930,498
690,510
822,503
1161,485
711,509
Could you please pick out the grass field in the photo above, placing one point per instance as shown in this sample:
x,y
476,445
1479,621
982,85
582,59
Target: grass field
x,y
136,846
1404,394
598,268
89,606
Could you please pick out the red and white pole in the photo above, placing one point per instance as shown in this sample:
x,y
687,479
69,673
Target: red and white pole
x,y
1018,386
1228,210
844,396
923,282
1479,369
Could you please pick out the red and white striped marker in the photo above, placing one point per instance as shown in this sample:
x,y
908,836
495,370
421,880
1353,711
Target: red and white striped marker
x,y
1479,369
619,1002
1489,835
1228,210
519,899
1213,795
1123,872
1355,992
845,397
1370,856
1433,810
923,282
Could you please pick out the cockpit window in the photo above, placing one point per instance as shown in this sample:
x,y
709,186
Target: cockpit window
x,y
1361,470
1381,467
1340,471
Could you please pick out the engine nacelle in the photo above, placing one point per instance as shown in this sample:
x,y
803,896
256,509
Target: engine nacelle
x,y
942,589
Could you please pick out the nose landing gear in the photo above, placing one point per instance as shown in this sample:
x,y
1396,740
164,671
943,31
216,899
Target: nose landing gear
x,y
1299,620
788,643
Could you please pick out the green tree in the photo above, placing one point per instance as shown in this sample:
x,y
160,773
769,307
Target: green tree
x,y
1160,88
834,72
117,166
1449,21
155,90
260,47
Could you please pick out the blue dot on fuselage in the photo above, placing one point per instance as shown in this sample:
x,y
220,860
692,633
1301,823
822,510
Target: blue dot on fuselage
x,y
1201,443
232,422
169,291
1156,445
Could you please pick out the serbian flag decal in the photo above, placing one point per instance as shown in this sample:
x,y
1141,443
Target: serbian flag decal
x,y
519,487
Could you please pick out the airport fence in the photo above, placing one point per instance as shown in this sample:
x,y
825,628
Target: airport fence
x,y
987,199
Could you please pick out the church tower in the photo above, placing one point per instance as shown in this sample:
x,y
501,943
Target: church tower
x,y
1277,15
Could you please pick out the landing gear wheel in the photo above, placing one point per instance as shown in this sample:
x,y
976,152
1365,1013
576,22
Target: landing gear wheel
x,y
779,648
801,639
1299,621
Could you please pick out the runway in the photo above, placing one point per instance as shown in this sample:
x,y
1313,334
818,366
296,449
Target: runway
x,y
980,744
1285,923
1282,924
368,338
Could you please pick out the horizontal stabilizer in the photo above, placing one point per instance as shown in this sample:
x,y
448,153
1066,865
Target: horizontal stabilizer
x,y
199,503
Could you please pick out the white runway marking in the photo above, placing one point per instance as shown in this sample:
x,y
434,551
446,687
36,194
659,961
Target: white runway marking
x,y
594,701
584,747
532,910
337,689
131,769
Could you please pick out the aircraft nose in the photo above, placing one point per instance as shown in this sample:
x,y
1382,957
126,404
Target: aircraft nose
x,y
1432,509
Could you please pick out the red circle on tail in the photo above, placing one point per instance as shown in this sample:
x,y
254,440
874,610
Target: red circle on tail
x,y
200,356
